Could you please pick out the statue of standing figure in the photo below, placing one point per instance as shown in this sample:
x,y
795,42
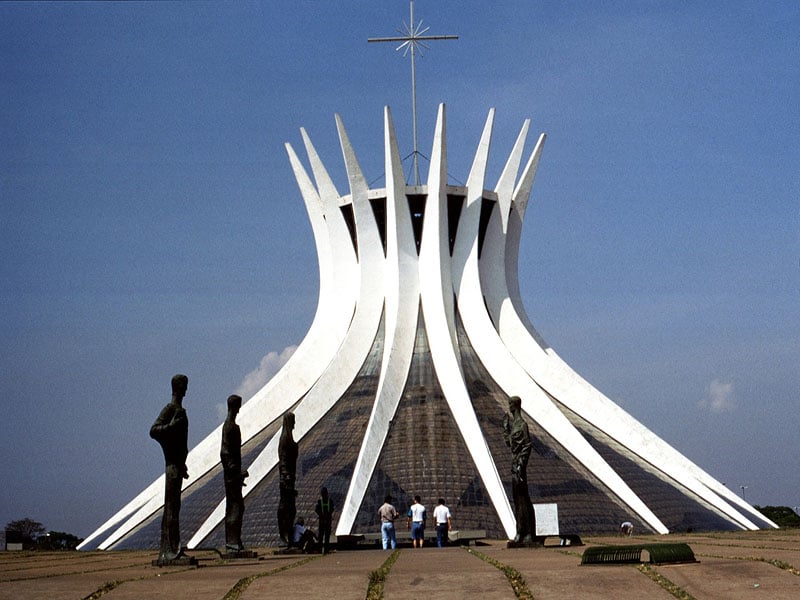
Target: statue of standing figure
x,y
171,431
230,455
518,438
287,469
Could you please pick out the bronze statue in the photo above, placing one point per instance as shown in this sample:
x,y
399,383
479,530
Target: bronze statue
x,y
230,455
287,468
518,438
171,430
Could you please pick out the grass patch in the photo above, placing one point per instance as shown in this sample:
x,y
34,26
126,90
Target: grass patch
x,y
781,565
378,577
111,585
240,586
104,589
514,577
665,583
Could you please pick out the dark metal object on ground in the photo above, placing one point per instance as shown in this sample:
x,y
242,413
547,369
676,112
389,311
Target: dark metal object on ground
x,y
657,554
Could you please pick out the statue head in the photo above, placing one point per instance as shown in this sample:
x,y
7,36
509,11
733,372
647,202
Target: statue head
x,y
234,403
179,385
288,421
514,404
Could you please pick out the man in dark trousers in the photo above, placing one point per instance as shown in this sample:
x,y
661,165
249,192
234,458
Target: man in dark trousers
x,y
324,510
171,430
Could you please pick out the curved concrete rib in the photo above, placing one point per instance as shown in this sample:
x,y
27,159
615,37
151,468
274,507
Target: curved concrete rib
x,y
301,370
436,292
338,289
345,365
345,262
497,359
505,184
501,246
145,496
519,207
297,375
511,220
401,314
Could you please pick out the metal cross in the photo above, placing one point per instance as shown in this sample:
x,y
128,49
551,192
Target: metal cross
x,y
412,37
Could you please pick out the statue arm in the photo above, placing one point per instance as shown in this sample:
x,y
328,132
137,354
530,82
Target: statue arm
x,y
507,420
527,444
521,446
231,451
228,462
161,427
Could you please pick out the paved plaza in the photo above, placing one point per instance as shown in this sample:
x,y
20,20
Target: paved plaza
x,y
731,566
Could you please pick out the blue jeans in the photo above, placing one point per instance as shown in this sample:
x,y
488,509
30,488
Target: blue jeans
x,y
387,535
441,535
417,530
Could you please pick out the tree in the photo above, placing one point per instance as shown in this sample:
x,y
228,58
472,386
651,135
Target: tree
x,y
58,540
27,529
782,516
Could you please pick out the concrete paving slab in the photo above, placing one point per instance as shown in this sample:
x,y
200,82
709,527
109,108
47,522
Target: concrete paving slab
x,y
72,575
209,583
46,566
65,587
444,573
553,573
733,579
703,552
342,575
732,567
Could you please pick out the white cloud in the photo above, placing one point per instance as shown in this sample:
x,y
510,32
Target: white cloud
x,y
719,397
269,366
222,410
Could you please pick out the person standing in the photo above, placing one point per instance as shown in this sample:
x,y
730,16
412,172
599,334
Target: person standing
x,y
324,511
388,514
171,431
441,516
416,522
230,455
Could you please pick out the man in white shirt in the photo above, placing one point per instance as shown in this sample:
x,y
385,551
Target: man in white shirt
x,y
416,522
441,516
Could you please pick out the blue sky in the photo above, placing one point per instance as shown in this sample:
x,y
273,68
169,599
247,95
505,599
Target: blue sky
x,y
150,223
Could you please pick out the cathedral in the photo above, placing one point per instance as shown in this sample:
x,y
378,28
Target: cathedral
x,y
402,381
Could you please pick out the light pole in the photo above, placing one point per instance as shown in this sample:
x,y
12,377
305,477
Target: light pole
x,y
743,488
